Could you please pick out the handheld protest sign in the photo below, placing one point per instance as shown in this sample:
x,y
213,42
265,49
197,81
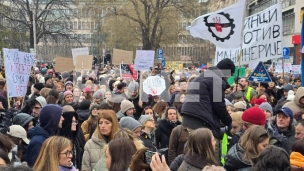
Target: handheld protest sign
x,y
84,62
259,74
64,64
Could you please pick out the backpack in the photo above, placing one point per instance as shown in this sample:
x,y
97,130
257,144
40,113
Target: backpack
x,y
179,131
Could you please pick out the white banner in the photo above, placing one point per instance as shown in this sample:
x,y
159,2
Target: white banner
x,y
79,51
17,70
287,67
262,38
144,59
295,69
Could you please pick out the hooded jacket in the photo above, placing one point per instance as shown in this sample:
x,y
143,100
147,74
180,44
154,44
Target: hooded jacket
x,y
234,160
163,132
49,119
295,105
199,107
76,137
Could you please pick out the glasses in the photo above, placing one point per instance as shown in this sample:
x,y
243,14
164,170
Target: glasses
x,y
36,108
74,122
68,153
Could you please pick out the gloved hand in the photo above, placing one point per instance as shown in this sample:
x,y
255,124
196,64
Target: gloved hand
x,y
228,129
137,163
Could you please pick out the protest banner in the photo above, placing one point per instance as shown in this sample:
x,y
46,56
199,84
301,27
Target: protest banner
x,y
79,51
122,56
144,59
154,85
295,69
262,38
84,62
174,65
128,72
279,67
64,64
17,69
259,74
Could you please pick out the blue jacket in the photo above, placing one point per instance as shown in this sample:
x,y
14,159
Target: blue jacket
x,y
37,135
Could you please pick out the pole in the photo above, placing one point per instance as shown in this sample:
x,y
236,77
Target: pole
x,y
34,30
283,68
302,52
239,67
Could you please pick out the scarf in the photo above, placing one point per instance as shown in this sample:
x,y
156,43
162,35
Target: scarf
x,y
297,159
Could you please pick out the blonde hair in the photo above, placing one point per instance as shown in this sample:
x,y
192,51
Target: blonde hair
x,y
237,117
48,158
44,92
126,133
213,168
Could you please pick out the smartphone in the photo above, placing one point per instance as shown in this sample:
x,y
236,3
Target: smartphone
x,y
148,156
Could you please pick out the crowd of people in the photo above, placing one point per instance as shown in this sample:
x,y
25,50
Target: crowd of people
x,y
97,121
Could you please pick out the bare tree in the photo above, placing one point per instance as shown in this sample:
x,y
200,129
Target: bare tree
x,y
51,17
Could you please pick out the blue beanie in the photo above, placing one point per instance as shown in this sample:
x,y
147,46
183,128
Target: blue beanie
x,y
49,118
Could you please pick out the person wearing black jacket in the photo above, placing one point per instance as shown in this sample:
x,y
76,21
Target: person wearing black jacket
x,y
204,105
70,129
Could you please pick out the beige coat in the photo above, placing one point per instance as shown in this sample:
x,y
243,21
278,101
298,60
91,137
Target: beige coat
x,y
93,151
295,105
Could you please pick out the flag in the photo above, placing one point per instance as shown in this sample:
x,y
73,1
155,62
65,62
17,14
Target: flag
x,y
224,28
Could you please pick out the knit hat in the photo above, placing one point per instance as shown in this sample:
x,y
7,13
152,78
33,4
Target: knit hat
x,y
50,71
49,118
99,94
287,112
47,78
86,90
290,95
68,82
116,98
38,86
240,105
22,119
226,64
65,75
297,159
129,123
144,118
260,101
266,106
41,100
68,92
255,116
133,86
126,105
18,132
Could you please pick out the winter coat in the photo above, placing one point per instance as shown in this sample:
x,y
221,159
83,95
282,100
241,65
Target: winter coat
x,y
148,142
93,151
276,138
295,105
176,163
163,132
83,115
5,121
87,129
177,142
234,160
205,111
37,135
120,115
193,162
100,165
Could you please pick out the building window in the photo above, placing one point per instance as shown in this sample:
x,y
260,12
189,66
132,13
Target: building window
x,y
287,3
288,22
260,6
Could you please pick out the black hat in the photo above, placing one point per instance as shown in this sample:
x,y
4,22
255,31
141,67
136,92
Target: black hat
x,y
38,86
226,64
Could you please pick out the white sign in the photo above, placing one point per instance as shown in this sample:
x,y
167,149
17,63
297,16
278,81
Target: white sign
x,y
279,68
79,51
17,69
262,38
154,85
144,59
295,69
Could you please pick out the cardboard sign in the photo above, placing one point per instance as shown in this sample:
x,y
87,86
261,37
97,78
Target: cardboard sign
x,y
84,62
79,51
260,74
64,64
122,56
17,69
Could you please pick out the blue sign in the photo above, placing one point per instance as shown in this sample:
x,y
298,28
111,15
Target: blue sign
x,y
259,74
160,53
286,52
163,63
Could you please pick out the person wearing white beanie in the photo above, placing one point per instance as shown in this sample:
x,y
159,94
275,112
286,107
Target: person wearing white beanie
x,y
126,109
290,95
